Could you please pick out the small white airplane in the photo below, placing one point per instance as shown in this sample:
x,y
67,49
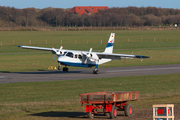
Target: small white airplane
x,y
85,58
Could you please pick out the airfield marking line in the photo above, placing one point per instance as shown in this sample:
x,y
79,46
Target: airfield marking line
x,y
144,69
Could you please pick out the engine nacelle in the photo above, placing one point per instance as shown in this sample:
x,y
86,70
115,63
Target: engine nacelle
x,y
94,57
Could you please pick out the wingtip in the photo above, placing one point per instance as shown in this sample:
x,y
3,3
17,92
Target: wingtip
x,y
20,46
140,56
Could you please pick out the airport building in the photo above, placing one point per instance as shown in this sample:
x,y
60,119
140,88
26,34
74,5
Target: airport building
x,y
87,9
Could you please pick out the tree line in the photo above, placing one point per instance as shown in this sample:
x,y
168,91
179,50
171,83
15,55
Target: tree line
x,y
57,17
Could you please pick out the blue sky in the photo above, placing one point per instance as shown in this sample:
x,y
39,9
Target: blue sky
x,y
71,3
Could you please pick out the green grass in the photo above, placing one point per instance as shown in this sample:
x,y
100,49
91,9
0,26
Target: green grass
x,y
164,38
27,100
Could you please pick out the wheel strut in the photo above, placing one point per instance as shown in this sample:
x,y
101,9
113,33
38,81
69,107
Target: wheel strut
x,y
59,67
95,71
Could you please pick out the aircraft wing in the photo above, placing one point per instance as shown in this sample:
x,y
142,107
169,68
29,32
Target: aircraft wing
x,y
119,56
38,48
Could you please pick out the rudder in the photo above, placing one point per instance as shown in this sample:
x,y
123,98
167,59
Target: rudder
x,y
110,44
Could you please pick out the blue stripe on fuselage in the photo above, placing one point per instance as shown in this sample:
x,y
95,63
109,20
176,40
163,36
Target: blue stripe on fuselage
x,y
77,64
109,45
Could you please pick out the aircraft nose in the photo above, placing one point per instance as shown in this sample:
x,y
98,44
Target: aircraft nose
x,y
61,58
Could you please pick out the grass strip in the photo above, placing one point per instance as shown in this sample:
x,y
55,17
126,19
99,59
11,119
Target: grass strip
x,y
31,100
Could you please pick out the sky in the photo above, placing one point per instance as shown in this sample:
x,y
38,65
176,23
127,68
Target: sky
x,y
40,4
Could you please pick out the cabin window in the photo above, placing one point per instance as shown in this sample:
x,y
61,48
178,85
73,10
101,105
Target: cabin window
x,y
79,56
69,54
75,56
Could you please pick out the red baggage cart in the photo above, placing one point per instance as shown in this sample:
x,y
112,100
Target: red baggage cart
x,y
109,101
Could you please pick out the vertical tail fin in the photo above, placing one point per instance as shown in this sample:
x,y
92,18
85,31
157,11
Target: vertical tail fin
x,y
110,44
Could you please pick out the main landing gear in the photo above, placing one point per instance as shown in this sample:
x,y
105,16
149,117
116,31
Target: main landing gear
x,y
65,69
95,71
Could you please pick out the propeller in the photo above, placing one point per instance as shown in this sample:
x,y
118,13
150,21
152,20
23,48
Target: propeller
x,y
88,55
58,52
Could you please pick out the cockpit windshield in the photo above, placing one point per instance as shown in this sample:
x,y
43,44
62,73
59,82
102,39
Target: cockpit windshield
x,y
64,53
69,54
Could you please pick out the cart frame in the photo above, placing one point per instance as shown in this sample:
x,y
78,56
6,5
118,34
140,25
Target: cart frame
x,y
110,106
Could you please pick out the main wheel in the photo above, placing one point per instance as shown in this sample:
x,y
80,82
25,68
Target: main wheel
x,y
67,69
128,110
113,114
90,115
95,71
64,69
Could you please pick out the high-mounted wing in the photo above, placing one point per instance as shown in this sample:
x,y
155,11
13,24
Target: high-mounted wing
x,y
54,51
36,48
39,48
118,56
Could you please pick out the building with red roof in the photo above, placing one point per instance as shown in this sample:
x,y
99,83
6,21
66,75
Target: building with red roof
x,y
87,9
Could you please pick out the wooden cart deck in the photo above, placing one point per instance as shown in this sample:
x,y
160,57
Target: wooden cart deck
x,y
108,97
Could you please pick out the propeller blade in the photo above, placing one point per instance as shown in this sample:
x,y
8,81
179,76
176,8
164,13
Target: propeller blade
x,y
55,57
61,48
59,52
53,49
90,50
85,61
88,55
56,51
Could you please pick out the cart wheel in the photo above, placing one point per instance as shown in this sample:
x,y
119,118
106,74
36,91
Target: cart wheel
x,y
113,114
90,115
128,110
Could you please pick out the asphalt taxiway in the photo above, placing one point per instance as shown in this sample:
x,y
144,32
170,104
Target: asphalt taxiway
x,y
75,74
